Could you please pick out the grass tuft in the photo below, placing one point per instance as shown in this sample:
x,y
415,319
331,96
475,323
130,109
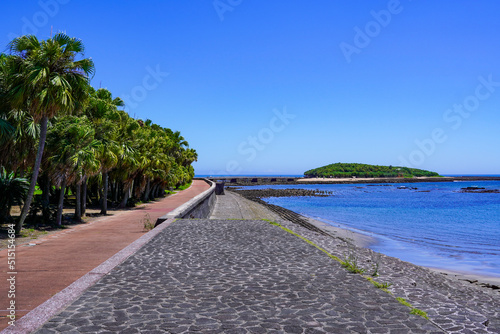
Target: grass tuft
x,y
413,310
382,286
419,312
306,240
184,186
403,301
350,263
31,233
146,222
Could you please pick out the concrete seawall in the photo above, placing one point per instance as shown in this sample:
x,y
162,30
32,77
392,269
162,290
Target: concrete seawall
x,y
200,206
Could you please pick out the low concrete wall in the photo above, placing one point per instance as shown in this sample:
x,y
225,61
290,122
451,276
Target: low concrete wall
x,y
200,206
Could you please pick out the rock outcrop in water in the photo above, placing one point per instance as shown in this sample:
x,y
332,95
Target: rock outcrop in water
x,y
478,190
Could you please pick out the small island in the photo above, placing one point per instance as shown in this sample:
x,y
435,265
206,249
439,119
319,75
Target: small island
x,y
345,170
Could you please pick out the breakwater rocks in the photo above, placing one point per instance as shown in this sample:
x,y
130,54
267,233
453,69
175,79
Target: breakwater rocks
x,y
257,195
262,193
479,190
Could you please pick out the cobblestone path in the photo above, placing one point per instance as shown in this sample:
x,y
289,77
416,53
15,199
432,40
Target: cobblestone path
x,y
233,276
455,305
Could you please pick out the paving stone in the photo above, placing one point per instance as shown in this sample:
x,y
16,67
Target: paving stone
x,y
459,303
233,277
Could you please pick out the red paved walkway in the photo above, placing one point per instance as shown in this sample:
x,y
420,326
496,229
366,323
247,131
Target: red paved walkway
x,y
60,259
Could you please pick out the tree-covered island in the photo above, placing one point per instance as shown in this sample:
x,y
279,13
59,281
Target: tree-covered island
x,y
340,170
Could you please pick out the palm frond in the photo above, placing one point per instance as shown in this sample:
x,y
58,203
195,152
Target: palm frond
x,y
7,131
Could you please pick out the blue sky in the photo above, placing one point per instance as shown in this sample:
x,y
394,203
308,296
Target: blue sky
x,y
261,87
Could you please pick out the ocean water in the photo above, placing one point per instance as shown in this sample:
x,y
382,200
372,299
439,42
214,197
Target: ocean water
x,y
434,225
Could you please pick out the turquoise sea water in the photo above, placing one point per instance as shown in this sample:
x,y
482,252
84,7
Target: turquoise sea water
x,y
434,225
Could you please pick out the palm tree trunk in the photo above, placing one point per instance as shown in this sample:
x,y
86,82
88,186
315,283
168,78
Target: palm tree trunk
x,y
84,195
145,196
154,192
104,203
115,194
99,195
78,205
61,203
126,192
45,185
34,177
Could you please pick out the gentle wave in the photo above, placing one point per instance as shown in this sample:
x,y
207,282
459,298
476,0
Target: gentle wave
x,y
434,225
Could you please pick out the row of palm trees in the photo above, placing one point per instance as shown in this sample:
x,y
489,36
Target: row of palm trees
x,y
67,136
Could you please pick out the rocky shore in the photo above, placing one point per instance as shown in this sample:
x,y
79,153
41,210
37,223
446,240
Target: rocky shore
x,y
456,303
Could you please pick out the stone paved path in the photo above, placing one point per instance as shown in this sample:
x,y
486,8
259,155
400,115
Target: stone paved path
x,y
233,206
233,276
56,261
457,306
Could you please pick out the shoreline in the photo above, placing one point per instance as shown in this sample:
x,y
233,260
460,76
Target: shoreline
x,y
366,241
363,241
453,305
359,239
269,180
398,179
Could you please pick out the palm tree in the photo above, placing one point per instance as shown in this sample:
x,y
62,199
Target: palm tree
x,y
71,149
128,161
6,131
12,191
102,111
189,156
84,163
19,151
46,79
6,128
18,131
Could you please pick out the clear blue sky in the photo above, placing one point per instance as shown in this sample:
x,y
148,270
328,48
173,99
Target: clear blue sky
x,y
268,87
